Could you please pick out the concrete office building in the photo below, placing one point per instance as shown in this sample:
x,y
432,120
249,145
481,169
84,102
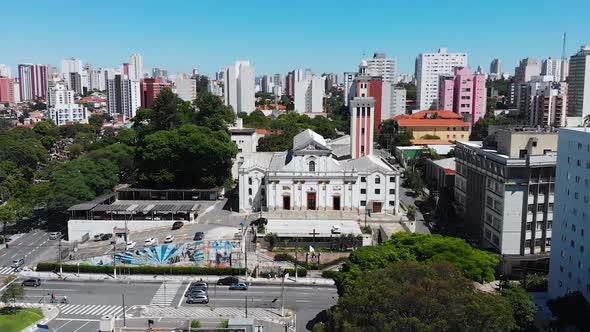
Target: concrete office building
x,y
349,86
569,268
429,67
309,96
290,84
393,100
185,88
238,88
5,71
495,70
556,68
382,66
504,191
33,81
136,72
579,87
123,96
464,93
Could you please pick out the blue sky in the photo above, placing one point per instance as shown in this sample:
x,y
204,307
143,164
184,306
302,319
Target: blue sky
x,y
279,35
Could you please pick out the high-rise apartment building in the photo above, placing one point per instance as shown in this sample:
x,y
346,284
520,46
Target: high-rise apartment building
x,y
569,267
123,96
579,87
9,91
429,67
159,73
349,86
33,81
150,89
556,68
382,66
75,82
464,93
5,71
546,102
496,68
526,70
71,65
136,72
268,83
331,80
309,96
60,94
185,88
504,191
238,88
393,100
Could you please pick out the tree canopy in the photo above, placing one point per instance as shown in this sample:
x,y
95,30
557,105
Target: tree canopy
x,y
407,296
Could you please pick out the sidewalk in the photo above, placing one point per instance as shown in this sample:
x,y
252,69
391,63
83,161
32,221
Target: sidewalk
x,y
307,281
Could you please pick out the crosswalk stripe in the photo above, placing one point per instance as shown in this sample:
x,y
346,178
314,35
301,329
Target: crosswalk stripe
x,y
95,310
6,270
165,294
86,310
114,311
90,309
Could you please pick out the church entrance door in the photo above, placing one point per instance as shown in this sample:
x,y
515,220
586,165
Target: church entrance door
x,y
286,203
311,201
336,203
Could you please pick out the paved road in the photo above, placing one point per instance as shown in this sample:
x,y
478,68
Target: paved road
x,y
88,301
33,247
406,198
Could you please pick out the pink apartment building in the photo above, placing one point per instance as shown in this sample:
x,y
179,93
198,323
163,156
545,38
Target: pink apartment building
x,y
464,93
9,91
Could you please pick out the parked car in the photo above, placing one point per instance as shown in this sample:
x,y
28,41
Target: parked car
x,y
34,282
54,235
106,236
98,237
199,285
177,225
238,286
18,263
198,299
228,281
169,239
150,242
199,236
130,245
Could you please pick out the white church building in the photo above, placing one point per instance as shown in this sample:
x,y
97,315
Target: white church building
x,y
309,177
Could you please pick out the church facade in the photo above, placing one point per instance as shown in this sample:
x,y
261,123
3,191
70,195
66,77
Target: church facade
x,y
309,177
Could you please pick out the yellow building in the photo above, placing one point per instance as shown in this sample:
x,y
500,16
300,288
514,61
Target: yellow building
x,y
434,127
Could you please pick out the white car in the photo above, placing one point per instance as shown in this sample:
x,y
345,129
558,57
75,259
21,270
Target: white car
x,y
130,245
150,242
169,239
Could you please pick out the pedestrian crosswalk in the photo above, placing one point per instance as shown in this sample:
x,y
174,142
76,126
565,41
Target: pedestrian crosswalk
x,y
90,309
165,293
7,270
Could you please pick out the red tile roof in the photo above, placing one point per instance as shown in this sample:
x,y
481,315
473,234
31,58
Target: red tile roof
x,y
428,114
261,131
431,123
431,142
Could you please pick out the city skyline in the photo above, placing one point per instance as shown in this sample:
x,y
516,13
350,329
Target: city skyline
x,y
209,35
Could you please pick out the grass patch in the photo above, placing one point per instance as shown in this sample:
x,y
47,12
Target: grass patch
x,y
14,319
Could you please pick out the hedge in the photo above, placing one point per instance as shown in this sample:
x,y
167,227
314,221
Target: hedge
x,y
144,269
330,274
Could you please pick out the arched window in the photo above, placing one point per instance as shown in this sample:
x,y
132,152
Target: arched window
x,y
312,166
250,181
250,191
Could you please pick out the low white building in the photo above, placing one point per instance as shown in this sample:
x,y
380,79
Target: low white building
x,y
247,140
309,177
62,114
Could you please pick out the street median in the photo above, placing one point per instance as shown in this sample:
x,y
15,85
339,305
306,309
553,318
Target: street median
x,y
151,270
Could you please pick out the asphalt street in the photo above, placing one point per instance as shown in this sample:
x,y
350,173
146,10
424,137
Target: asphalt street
x,y
407,199
33,247
88,301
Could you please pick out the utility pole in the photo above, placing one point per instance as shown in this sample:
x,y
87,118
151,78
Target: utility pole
x,y
283,297
114,259
59,256
246,306
296,248
246,257
124,319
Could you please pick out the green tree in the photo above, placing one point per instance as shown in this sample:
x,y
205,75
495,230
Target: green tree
x,y
96,120
165,114
75,150
14,292
571,309
407,296
26,152
45,128
212,113
523,307
122,155
202,84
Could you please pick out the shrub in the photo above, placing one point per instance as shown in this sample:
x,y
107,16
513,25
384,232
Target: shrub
x,y
195,324
535,283
330,274
224,324
300,272
144,269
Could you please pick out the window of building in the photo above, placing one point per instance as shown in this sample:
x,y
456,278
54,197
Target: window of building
x,y
391,179
377,179
250,181
391,203
527,243
392,191
363,179
548,242
377,191
250,191
363,203
312,166
529,226
572,243
363,191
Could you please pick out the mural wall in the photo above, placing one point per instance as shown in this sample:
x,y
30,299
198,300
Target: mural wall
x,y
196,253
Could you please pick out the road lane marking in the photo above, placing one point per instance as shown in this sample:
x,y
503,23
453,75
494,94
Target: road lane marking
x,y
182,297
76,330
57,329
302,301
55,290
77,319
